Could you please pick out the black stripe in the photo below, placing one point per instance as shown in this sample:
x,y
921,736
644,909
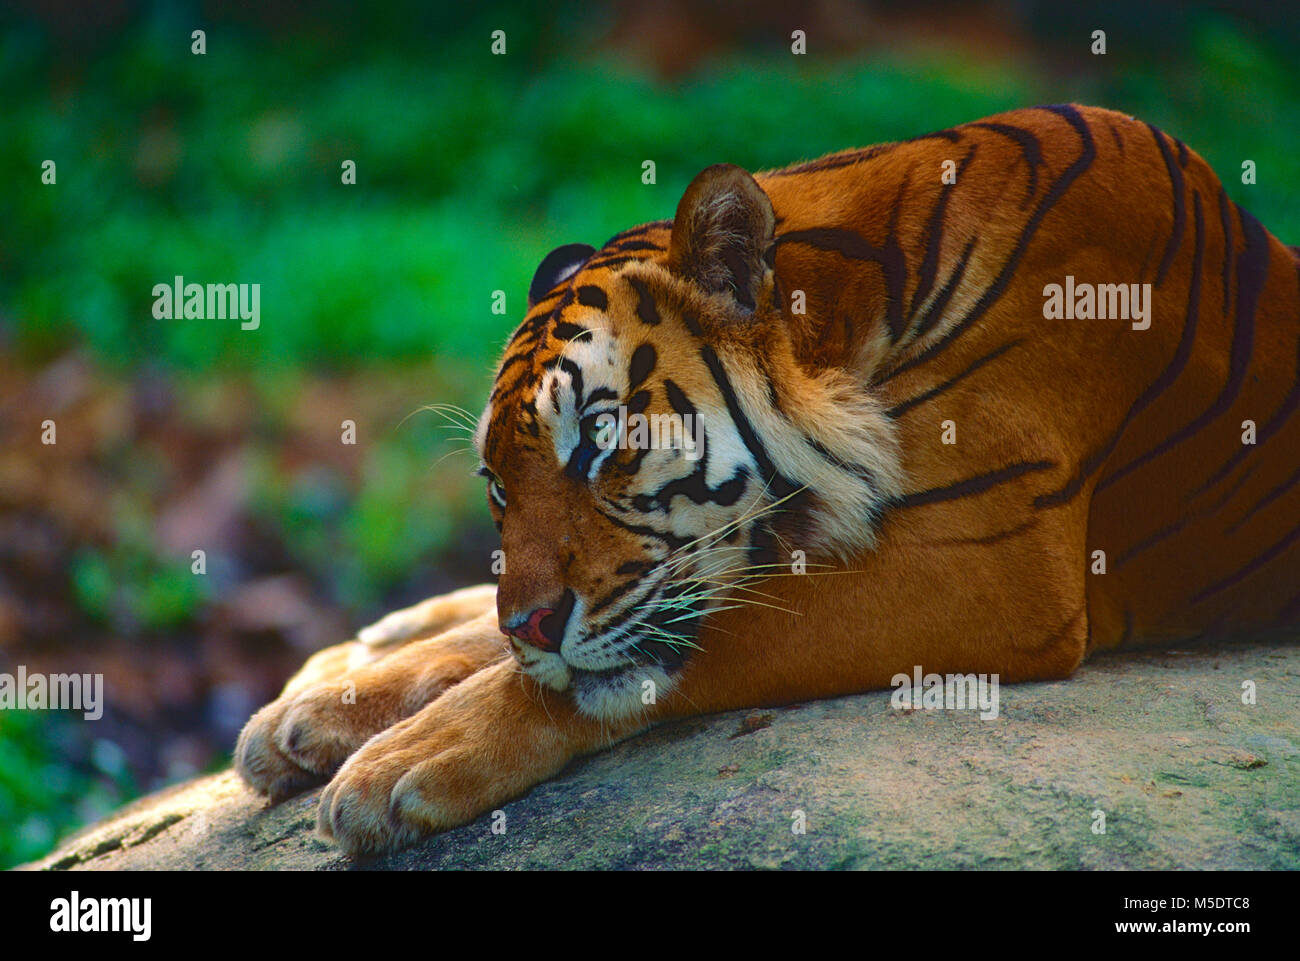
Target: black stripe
x,y
1119,142
575,377
972,485
540,306
510,362
637,231
1263,560
1226,495
526,331
1063,631
638,245
612,596
613,261
677,399
1225,219
567,331
591,296
1180,204
1182,355
1289,405
695,486
645,302
772,478
1149,542
642,363
506,389
773,396
636,405
665,537
853,246
898,410
996,537
933,239
1049,200
1031,149
861,471
1280,490
934,312
599,394
1252,269
834,161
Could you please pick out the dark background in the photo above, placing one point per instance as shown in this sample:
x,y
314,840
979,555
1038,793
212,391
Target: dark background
x,y
185,434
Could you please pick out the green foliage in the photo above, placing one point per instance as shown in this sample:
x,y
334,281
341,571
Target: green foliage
x,y
131,588
227,168
44,792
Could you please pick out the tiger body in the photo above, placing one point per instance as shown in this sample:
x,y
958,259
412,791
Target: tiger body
x,y
973,486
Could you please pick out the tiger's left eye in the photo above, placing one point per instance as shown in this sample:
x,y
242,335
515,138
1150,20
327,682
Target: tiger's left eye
x,y
496,490
601,433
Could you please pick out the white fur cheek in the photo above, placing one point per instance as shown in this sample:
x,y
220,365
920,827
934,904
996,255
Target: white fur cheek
x,y
614,697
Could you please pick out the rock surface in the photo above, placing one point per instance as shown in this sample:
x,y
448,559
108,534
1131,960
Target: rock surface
x,y
1186,774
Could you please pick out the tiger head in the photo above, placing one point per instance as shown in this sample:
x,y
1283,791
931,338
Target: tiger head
x,y
653,443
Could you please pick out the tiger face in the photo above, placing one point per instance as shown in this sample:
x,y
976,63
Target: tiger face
x,y
652,446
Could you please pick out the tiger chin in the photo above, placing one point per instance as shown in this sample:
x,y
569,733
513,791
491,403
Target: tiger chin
x,y
903,461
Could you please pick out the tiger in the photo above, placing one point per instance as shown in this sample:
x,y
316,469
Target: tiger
x,y
907,458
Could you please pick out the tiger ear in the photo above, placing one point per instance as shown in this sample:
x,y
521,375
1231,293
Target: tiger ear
x,y
723,229
556,267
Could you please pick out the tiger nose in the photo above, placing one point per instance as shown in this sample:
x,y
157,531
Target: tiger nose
x,y
544,627
540,629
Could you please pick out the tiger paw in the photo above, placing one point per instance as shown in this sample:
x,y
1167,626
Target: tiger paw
x,y
302,738
484,742
431,772
384,799
298,741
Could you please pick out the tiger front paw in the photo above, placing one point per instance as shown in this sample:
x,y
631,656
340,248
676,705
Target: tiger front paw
x,y
299,740
382,799
481,744
303,737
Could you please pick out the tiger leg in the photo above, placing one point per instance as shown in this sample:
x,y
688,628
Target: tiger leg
x,y
930,597
350,695
429,617
426,619
487,740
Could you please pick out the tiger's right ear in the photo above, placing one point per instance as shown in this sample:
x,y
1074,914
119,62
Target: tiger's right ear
x,y
556,267
722,233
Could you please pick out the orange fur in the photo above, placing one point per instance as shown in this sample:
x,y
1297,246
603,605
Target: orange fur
x,y
924,304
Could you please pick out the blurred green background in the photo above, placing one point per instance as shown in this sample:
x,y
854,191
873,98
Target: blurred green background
x,y
376,297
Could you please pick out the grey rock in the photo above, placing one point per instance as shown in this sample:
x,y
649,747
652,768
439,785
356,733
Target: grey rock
x,y
1186,775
